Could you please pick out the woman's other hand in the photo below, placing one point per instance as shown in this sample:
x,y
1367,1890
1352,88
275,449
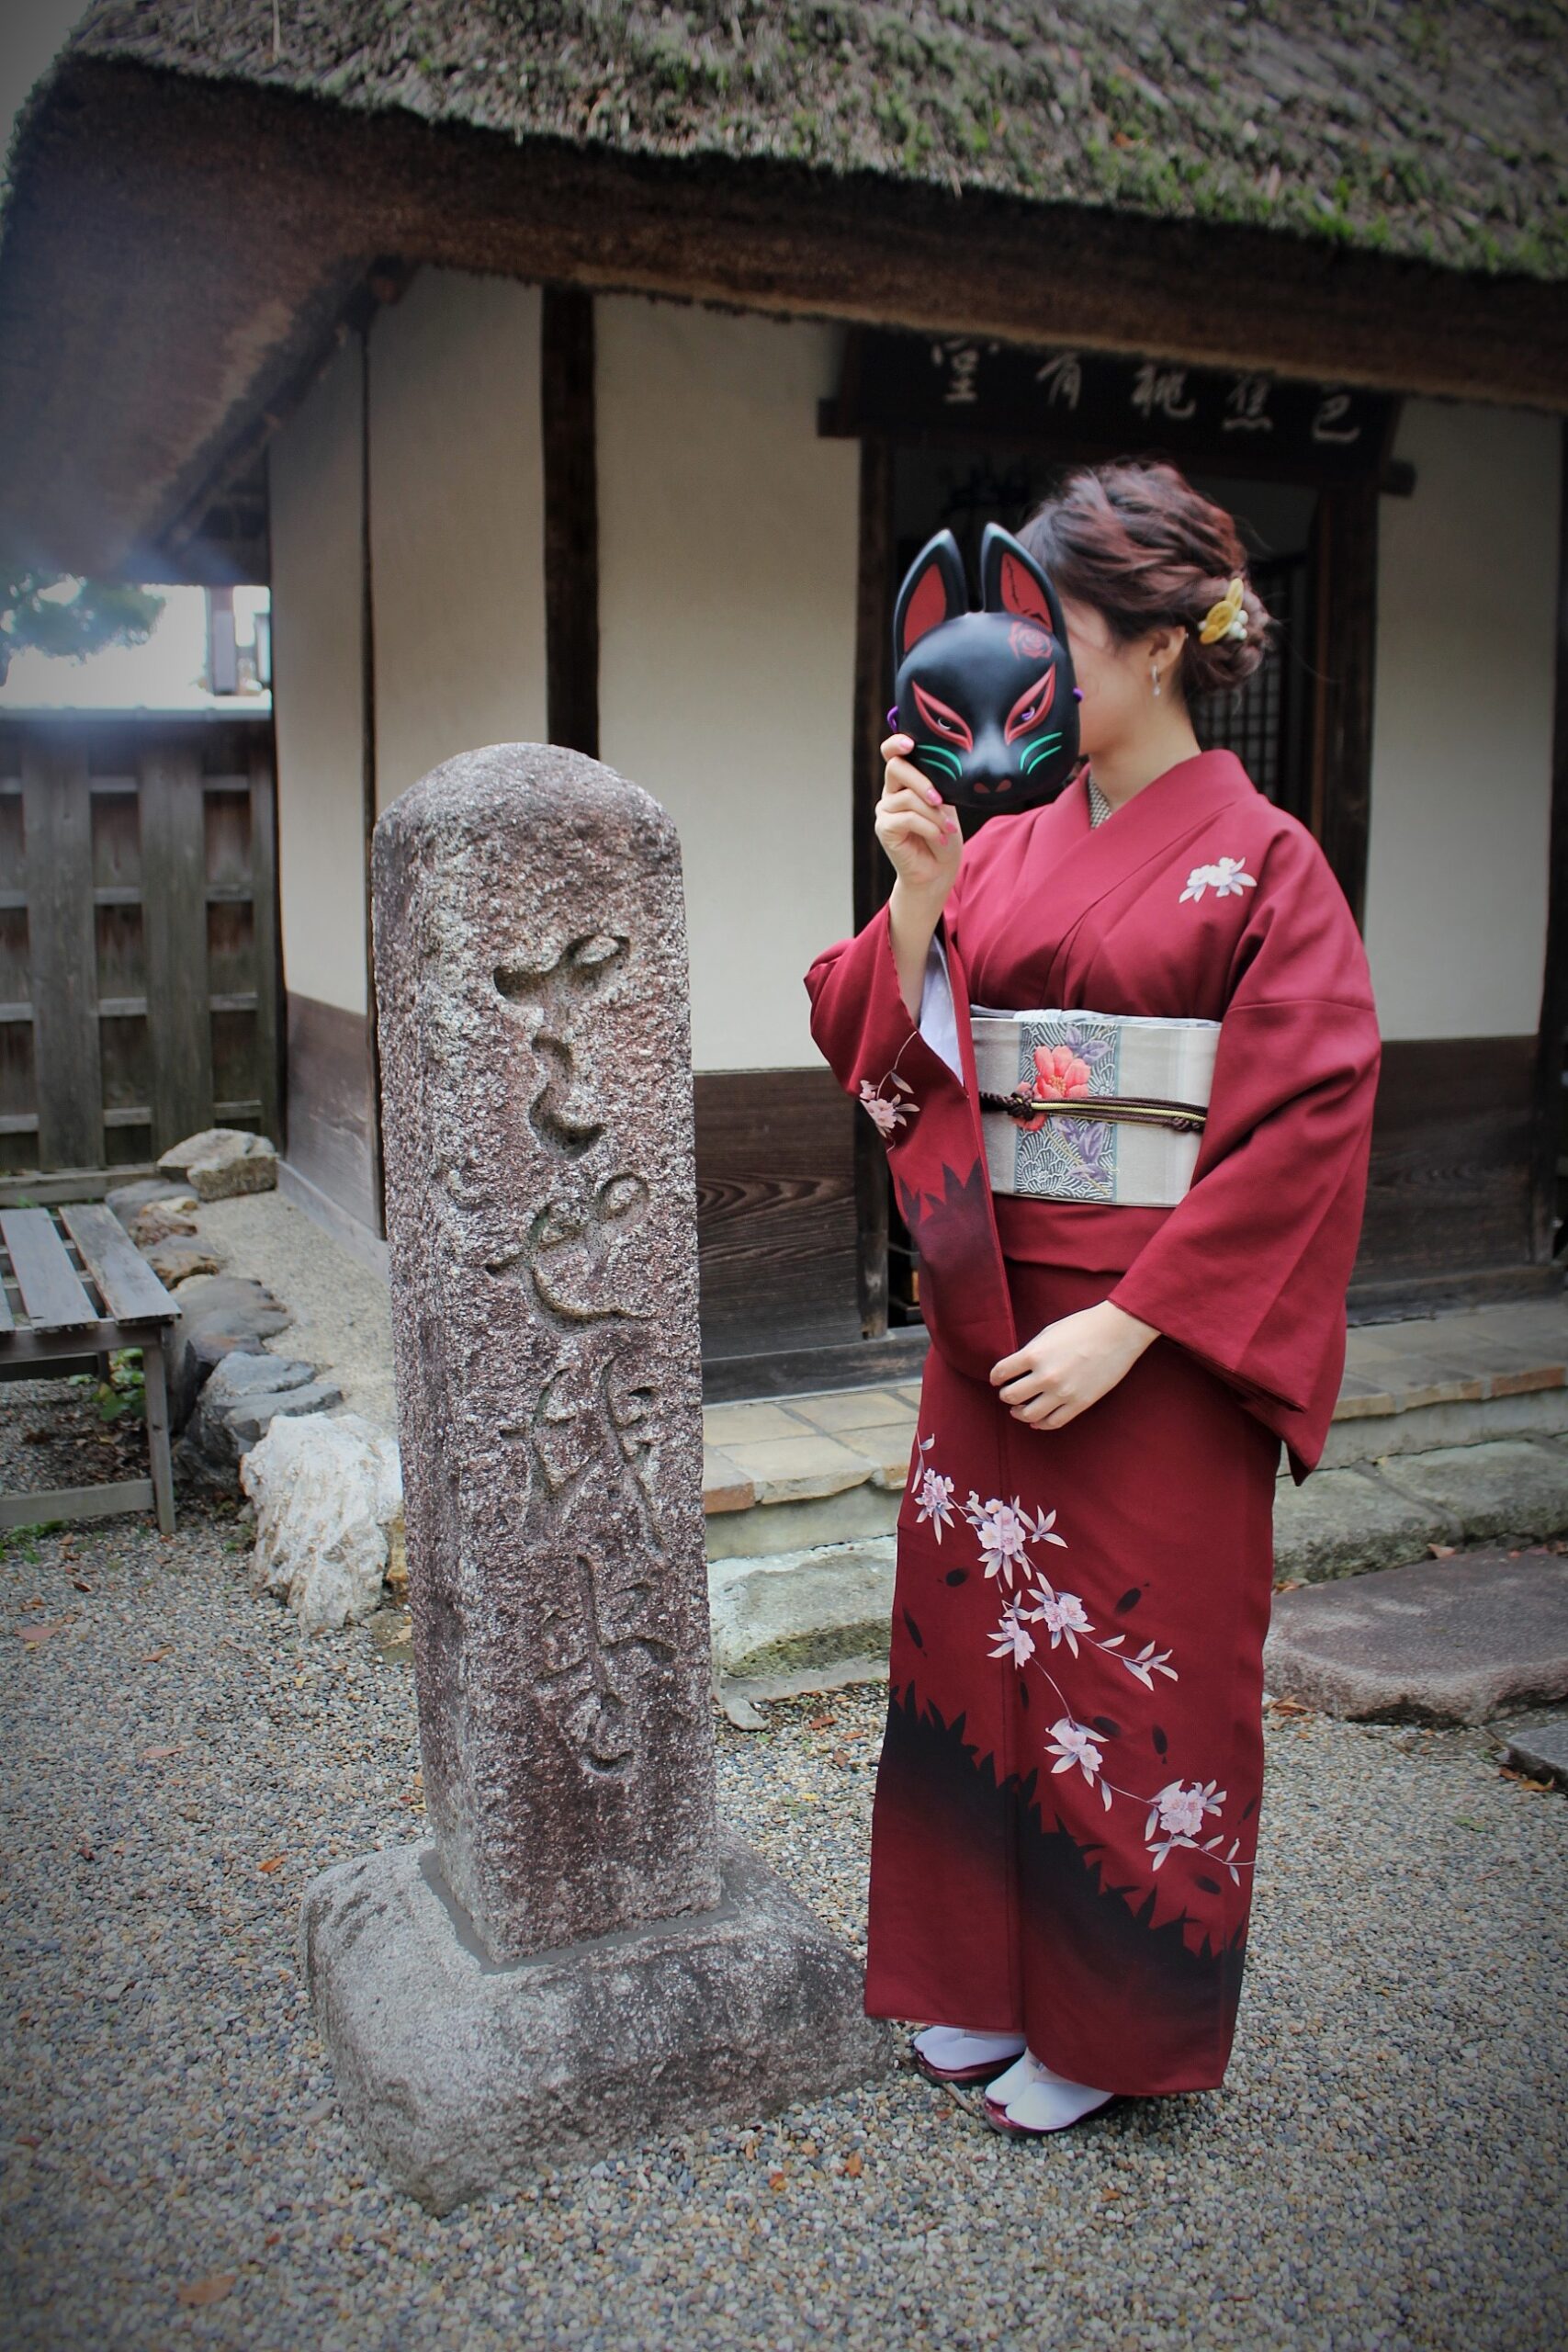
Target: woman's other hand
x,y
916,829
1071,1364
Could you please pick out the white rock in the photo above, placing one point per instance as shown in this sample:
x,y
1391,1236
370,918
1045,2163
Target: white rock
x,y
220,1161
328,1502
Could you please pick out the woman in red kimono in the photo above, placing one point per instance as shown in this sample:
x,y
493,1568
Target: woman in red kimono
x,y
1066,1807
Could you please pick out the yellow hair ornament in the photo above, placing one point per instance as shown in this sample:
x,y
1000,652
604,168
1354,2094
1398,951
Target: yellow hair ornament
x,y
1227,618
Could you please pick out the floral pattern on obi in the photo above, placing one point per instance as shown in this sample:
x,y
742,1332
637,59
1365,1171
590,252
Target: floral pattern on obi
x,y
1068,1057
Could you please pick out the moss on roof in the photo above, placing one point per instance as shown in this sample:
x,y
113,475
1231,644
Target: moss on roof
x,y
1435,130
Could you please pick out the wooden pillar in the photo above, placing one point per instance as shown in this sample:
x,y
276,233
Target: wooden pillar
x,y
174,914
871,874
1549,1093
571,519
1346,568
369,785
57,819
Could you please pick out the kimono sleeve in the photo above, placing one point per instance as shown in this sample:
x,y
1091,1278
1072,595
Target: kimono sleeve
x,y
1248,1271
915,1083
861,1026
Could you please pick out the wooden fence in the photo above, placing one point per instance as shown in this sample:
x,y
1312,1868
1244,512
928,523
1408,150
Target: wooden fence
x,y
139,958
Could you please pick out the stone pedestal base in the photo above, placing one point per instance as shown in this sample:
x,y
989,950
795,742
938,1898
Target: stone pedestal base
x,y
459,2074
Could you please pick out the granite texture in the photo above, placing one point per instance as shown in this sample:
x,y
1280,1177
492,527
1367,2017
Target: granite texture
x,y
1454,1641
541,1217
461,2074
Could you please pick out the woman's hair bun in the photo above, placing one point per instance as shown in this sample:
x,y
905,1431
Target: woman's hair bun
x,y
1139,544
1227,661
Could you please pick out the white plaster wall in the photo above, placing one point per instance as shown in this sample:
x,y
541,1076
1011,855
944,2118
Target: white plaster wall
x,y
1462,740
314,471
456,523
727,585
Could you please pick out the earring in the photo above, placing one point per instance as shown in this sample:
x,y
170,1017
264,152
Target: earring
x,y
1153,675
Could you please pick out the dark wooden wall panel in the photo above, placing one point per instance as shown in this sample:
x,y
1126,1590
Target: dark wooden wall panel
x,y
1448,1196
330,1123
775,1211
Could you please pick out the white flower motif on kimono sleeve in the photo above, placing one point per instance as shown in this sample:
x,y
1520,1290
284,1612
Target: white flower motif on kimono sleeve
x,y
1012,1640
1070,1743
1228,878
884,1116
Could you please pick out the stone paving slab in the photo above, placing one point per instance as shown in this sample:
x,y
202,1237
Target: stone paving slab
x,y
1452,1641
725,1487
1539,1746
802,1466
851,1412
1435,1381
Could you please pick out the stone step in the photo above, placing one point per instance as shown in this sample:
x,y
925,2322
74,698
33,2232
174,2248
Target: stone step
x,y
1455,1641
795,1472
805,1605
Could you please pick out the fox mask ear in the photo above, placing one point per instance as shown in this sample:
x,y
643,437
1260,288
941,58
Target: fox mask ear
x,y
1011,581
935,591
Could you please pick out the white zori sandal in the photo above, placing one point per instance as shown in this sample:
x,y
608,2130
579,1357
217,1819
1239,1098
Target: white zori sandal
x,y
950,2053
1029,2100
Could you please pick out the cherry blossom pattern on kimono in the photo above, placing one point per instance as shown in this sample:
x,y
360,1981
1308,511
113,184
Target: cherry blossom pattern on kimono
x,y
1002,1533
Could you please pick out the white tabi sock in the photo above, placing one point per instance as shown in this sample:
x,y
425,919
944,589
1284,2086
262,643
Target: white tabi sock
x,y
1043,2101
954,2046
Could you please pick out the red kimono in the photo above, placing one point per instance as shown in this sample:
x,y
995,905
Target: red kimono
x,y
1066,1807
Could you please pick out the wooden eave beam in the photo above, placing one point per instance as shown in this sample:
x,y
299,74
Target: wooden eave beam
x,y
179,254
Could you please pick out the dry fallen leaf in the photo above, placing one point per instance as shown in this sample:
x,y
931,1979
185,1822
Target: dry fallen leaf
x,y
273,1862
1288,1707
32,1634
822,1723
776,2179
1441,1551
156,1754
1538,1787
154,1655
1289,1584
81,1583
854,2166
202,2291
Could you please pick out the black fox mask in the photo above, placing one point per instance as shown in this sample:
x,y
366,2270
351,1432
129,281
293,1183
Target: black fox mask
x,y
987,698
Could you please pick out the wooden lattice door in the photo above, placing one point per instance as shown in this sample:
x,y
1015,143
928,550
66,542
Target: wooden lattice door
x,y
139,973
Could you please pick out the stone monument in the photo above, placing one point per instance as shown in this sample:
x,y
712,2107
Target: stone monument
x,y
579,1956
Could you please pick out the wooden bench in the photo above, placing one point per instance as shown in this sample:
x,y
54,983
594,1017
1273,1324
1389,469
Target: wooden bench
x,y
66,1300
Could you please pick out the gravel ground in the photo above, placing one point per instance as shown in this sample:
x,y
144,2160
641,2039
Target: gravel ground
x,y
1382,2167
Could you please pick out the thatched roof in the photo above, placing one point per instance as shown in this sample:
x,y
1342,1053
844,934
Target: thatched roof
x,y
1438,131
1376,192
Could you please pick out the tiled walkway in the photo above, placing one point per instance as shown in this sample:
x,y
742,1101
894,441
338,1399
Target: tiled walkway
x,y
798,1449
